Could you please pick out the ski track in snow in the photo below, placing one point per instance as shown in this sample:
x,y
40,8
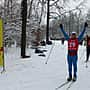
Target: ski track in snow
x,y
33,74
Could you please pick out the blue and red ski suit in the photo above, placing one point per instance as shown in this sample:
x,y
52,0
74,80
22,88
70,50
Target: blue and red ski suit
x,y
72,56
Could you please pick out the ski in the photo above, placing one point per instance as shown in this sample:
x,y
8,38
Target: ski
x,y
70,85
62,85
2,71
86,64
43,55
44,50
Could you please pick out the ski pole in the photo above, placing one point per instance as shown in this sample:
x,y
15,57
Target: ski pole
x,y
49,53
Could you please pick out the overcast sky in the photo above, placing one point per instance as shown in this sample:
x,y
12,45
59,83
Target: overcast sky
x,y
71,4
88,3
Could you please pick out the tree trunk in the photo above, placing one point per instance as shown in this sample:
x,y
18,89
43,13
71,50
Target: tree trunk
x,y
24,21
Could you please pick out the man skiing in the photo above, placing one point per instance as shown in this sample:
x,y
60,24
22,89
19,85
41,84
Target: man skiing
x,y
87,47
72,57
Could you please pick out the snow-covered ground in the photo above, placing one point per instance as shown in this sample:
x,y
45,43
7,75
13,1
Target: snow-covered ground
x,y
33,74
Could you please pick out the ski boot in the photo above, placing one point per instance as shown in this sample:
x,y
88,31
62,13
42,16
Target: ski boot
x,y
74,79
69,79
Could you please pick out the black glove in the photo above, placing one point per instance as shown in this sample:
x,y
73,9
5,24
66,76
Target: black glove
x,y
85,25
61,26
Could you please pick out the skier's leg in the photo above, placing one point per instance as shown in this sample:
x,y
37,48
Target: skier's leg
x,y
75,66
69,66
87,56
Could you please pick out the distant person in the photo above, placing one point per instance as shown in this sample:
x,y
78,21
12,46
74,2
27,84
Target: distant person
x,y
72,57
87,48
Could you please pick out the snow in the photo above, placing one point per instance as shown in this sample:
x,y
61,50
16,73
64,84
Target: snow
x,y
33,74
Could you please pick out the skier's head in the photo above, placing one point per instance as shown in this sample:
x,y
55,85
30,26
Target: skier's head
x,y
73,35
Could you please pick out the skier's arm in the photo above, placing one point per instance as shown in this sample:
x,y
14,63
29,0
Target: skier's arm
x,y
64,33
82,33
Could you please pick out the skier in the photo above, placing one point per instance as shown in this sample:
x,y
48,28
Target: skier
x,y
87,48
72,57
